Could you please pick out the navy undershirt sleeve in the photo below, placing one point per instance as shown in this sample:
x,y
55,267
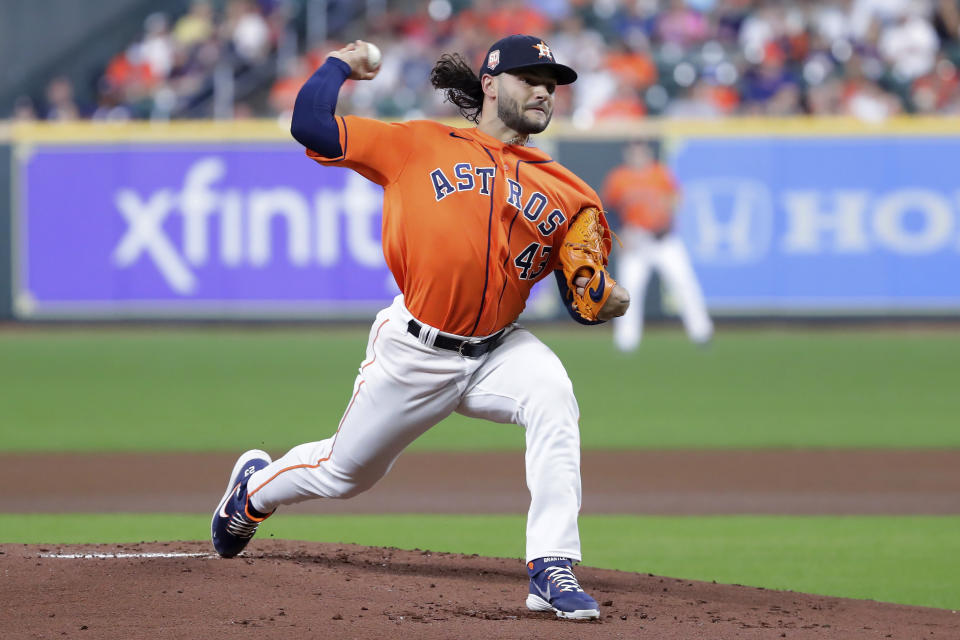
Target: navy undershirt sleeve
x,y
313,124
567,298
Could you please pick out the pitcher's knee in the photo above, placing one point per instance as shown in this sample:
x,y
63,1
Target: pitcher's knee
x,y
349,483
355,490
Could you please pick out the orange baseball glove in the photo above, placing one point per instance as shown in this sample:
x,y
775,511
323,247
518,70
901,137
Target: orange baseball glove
x,y
584,253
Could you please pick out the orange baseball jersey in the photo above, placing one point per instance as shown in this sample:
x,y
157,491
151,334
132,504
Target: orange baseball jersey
x,y
643,197
469,223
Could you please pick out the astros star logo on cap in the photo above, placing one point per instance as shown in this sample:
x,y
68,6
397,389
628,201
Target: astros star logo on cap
x,y
543,49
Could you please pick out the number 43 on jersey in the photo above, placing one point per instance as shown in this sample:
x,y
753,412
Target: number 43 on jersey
x,y
533,253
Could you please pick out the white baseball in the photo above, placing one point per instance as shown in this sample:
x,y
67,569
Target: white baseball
x,y
373,55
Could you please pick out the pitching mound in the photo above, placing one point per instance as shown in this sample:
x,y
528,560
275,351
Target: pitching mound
x,y
283,589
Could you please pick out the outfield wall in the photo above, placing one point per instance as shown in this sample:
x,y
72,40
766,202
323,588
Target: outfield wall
x,y
230,220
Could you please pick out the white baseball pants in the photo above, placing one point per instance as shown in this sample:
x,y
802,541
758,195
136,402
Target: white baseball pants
x,y
645,252
404,387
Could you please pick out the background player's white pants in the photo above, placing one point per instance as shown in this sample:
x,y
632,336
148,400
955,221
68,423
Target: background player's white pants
x,y
405,387
669,257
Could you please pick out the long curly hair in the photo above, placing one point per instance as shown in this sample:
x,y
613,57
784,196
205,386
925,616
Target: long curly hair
x,y
460,84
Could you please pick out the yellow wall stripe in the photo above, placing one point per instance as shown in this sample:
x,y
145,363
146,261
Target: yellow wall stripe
x,y
274,131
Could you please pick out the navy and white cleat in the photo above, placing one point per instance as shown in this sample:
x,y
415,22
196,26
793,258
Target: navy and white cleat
x,y
553,587
233,522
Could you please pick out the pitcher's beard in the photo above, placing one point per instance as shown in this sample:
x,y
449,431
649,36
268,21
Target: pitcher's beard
x,y
510,114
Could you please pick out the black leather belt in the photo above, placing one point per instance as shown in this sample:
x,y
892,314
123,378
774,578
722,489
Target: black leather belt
x,y
467,348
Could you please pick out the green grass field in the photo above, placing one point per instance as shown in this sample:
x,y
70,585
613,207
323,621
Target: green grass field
x,y
205,389
170,390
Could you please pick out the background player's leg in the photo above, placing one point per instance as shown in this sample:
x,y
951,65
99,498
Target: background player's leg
x,y
633,274
523,382
403,389
674,264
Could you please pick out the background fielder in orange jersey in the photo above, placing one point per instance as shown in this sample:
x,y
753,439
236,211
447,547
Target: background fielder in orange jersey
x,y
643,191
645,194
472,219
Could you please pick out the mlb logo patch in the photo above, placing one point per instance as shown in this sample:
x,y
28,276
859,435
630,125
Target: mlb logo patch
x,y
494,59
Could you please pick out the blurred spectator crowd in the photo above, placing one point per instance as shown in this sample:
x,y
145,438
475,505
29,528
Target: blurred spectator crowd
x,y
675,58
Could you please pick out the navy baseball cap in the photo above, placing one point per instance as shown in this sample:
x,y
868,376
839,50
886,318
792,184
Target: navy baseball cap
x,y
524,52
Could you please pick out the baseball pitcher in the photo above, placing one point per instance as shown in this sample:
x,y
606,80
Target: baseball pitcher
x,y
472,219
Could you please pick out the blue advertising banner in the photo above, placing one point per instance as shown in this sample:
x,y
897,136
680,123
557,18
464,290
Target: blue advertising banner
x,y
853,224
196,229
781,224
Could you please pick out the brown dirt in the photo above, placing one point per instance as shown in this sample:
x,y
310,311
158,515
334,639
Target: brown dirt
x,y
283,589
308,590
649,482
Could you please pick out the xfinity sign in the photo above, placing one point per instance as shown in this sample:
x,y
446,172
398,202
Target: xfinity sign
x,y
212,228
235,227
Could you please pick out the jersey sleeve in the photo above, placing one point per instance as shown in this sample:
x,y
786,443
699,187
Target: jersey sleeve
x,y
376,150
